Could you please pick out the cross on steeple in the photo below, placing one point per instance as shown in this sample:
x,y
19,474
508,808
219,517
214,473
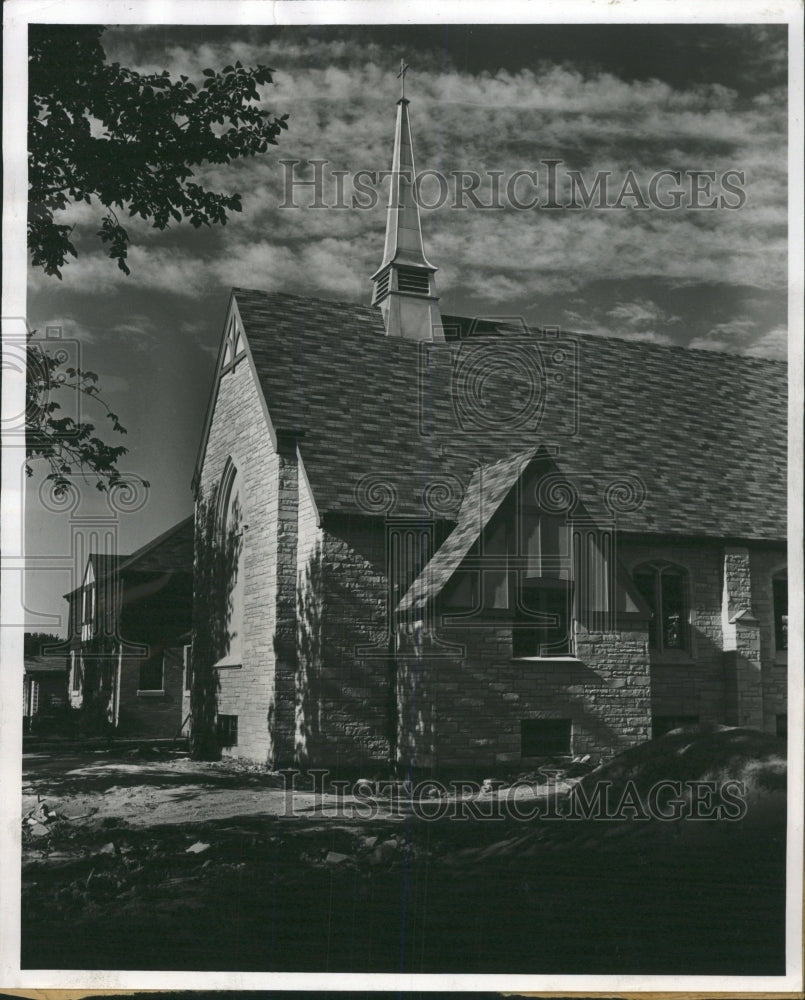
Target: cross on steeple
x,y
401,77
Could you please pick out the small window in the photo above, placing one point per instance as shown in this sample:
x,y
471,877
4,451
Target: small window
x,y
664,589
542,621
152,674
188,666
662,724
227,730
780,593
88,613
34,702
781,726
545,737
75,675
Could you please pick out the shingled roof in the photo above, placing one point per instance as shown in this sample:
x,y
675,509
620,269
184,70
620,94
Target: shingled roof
x,y
488,487
172,551
379,417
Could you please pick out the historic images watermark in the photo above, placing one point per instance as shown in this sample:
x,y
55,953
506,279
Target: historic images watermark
x,y
550,186
543,798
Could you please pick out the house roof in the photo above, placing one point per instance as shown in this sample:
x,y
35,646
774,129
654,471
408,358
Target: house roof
x,y
701,434
104,564
172,551
46,664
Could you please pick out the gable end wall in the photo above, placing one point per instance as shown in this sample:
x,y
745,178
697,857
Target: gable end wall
x,y
239,430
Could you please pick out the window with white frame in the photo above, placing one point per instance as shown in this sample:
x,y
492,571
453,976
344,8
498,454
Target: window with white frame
x,y
75,672
88,610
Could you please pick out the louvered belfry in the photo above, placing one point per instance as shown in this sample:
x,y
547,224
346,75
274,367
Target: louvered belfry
x,y
404,284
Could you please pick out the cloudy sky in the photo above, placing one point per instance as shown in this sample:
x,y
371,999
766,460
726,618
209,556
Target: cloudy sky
x,y
614,98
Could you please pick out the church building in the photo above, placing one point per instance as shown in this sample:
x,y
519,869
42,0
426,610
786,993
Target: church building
x,y
451,544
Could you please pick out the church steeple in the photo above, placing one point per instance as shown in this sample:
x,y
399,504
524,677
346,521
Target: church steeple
x,y
405,288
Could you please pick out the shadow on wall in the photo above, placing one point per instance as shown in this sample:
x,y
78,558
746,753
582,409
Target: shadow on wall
x,y
342,694
309,596
218,545
95,716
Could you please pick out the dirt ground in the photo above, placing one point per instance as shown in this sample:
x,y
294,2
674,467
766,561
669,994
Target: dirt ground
x,y
146,860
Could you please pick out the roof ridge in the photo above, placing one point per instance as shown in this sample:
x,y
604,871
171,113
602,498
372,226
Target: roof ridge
x,y
532,328
155,542
239,290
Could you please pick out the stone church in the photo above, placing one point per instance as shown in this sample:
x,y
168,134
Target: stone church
x,y
468,543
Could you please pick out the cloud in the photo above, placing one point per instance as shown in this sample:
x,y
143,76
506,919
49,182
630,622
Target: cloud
x,y
744,336
641,320
637,315
153,267
63,327
340,94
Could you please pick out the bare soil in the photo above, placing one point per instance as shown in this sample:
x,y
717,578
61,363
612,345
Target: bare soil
x,y
146,860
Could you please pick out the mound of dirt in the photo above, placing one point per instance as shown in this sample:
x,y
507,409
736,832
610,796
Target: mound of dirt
x,y
742,771
699,753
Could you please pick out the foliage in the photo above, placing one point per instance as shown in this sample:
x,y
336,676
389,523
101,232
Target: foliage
x,y
217,550
97,686
35,642
67,443
98,130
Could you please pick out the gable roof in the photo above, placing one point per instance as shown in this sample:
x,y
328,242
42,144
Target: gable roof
x,y
46,664
704,432
488,488
172,551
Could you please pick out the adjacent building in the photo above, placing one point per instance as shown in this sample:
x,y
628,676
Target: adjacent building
x,y
130,624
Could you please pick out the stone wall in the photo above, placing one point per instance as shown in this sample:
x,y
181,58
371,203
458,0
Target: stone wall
x,y
731,674
689,682
465,711
239,431
352,693
309,607
765,565
151,713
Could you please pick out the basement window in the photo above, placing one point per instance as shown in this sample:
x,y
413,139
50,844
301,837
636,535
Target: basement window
x,y
227,726
545,737
662,724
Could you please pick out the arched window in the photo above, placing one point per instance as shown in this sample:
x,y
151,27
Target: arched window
x,y
664,588
231,551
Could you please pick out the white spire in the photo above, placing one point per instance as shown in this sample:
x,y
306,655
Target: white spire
x,y
405,288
